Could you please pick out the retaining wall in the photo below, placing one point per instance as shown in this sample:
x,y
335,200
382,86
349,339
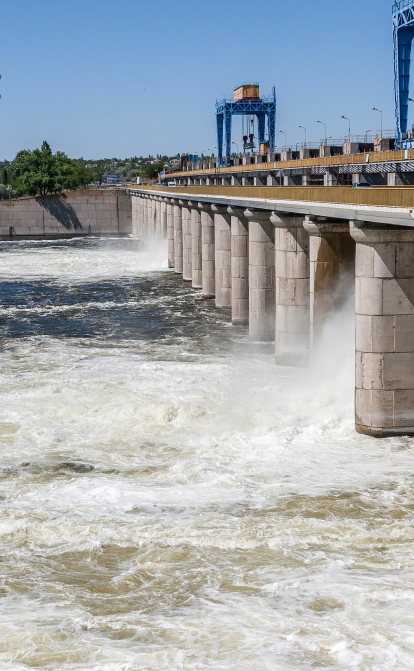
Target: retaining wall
x,y
75,213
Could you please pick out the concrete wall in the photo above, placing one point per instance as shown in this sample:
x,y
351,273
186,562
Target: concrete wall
x,y
94,212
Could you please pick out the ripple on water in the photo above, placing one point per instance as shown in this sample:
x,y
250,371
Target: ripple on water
x,y
170,499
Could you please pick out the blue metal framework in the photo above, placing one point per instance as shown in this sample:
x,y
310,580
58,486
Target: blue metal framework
x,y
403,21
226,109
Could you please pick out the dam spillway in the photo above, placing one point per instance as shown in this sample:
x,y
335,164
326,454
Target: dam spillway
x,y
289,264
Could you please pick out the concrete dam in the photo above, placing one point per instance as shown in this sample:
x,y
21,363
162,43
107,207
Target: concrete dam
x,y
284,260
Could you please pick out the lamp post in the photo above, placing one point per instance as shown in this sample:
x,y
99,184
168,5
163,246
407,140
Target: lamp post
x,y
366,134
299,126
349,125
324,125
377,110
236,146
282,131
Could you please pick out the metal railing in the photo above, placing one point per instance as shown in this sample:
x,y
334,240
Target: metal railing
x,y
383,196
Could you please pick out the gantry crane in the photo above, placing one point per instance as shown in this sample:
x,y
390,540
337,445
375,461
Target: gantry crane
x,y
403,20
247,102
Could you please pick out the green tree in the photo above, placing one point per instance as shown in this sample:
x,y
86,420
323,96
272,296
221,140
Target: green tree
x,y
40,172
152,171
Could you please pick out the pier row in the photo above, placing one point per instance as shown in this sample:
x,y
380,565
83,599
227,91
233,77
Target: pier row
x,y
285,260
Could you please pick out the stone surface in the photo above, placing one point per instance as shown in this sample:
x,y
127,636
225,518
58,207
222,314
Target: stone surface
x,y
384,399
222,241
208,251
292,267
239,266
178,238
73,213
261,276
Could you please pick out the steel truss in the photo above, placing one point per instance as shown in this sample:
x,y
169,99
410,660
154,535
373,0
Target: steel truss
x,y
226,109
403,34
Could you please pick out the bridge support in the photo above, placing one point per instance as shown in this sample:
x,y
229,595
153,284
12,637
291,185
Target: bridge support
x,y
239,266
261,276
222,256
187,243
384,331
170,232
178,238
332,263
292,337
208,251
196,246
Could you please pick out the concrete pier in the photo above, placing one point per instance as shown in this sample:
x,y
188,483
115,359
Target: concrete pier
x,y
261,276
384,403
170,232
222,239
288,274
196,247
332,272
178,238
157,206
208,251
187,243
163,218
292,336
239,266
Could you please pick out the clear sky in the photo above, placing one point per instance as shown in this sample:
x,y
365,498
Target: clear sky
x,y
105,78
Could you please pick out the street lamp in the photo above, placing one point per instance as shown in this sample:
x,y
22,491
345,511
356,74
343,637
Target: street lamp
x,y
324,125
377,110
299,126
236,146
282,131
349,125
366,134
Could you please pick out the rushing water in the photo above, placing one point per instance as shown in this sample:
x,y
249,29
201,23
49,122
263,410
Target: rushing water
x,y
172,500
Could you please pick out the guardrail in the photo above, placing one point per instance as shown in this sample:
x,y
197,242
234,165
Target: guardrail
x,y
342,159
391,196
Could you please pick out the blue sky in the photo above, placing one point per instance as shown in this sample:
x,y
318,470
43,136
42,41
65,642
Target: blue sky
x,y
98,78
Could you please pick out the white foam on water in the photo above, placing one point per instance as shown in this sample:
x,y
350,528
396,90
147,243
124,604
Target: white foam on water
x,y
216,512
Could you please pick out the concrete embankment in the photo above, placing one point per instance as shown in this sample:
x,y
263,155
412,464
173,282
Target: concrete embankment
x,y
74,213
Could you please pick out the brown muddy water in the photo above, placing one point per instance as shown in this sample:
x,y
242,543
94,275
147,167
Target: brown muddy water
x,y
172,500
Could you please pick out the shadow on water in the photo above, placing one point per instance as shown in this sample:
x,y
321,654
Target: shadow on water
x,y
62,211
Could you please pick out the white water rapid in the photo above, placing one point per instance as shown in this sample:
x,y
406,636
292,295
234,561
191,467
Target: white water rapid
x,y
170,499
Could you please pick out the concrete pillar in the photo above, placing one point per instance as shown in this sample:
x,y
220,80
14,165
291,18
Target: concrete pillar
x,y
261,276
178,238
196,246
158,203
271,181
332,264
384,270
144,227
170,232
151,217
222,239
163,215
208,251
235,181
187,245
292,336
391,178
239,266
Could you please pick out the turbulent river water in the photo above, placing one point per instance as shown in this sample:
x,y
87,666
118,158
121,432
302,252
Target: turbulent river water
x,y
170,499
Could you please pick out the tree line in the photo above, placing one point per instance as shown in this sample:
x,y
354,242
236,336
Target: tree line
x,y
39,172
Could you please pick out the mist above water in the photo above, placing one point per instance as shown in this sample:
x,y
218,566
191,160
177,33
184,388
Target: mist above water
x,y
171,499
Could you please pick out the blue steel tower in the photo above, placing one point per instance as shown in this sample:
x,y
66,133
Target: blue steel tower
x,y
403,20
246,102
